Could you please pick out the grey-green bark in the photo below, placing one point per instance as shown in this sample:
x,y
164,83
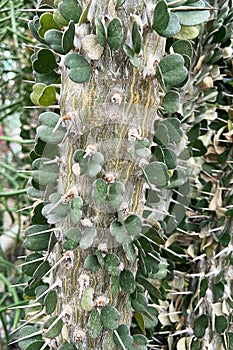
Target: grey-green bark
x,y
118,99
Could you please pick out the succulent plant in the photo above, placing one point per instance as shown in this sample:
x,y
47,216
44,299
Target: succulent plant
x,y
132,253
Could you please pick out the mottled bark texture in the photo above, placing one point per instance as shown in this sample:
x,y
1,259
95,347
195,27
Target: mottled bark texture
x,y
118,101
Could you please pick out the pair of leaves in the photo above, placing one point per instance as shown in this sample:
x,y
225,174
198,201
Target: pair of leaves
x,y
124,340
47,22
168,23
137,43
42,56
70,10
79,68
172,71
104,193
168,131
39,237
122,231
44,173
45,131
90,165
43,95
141,148
165,23
165,154
74,238
54,212
156,174
114,36
61,42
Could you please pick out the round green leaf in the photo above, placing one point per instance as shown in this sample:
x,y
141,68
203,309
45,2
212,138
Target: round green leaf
x,y
101,33
36,345
94,166
56,328
75,209
35,193
43,95
171,101
109,317
156,173
161,136
116,190
188,32
169,157
133,225
140,339
38,242
72,236
122,336
49,119
130,252
218,290
68,38
161,17
127,281
119,232
99,192
111,264
53,38
87,238
59,19
183,47
29,269
50,302
94,324
33,26
47,135
46,174
136,38
173,27
70,10
27,331
36,229
87,299
91,263
80,69
47,22
115,34
173,128
139,302
56,215
221,324
44,55
173,70
193,17
200,325
141,148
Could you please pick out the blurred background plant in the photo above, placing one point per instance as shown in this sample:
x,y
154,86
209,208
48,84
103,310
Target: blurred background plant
x,y
16,135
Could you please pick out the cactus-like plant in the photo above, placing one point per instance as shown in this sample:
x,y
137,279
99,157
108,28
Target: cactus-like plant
x,y
128,239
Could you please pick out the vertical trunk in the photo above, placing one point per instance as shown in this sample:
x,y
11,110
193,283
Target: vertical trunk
x,y
118,101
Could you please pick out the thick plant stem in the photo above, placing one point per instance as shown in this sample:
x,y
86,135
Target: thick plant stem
x,y
119,104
